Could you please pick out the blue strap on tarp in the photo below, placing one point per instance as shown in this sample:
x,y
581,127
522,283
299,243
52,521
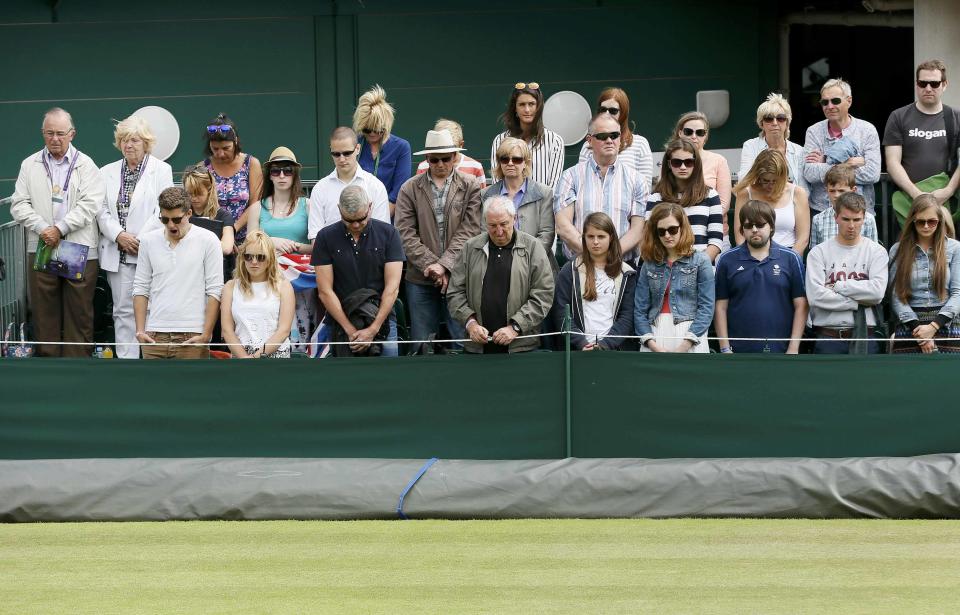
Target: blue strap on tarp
x,y
413,482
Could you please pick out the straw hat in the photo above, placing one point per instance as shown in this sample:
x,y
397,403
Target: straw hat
x,y
282,154
439,142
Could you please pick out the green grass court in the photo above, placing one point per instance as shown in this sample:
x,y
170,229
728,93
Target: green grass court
x,y
534,566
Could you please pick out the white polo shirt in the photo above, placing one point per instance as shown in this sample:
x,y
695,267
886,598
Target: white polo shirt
x,y
177,280
325,198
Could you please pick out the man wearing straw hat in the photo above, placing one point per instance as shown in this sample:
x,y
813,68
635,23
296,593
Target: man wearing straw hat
x,y
437,212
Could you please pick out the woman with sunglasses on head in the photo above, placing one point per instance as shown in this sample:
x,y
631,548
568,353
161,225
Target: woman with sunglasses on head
x,y
634,149
238,176
767,181
256,309
695,127
131,207
533,200
382,153
674,300
925,281
200,185
773,119
282,214
523,119
599,288
681,181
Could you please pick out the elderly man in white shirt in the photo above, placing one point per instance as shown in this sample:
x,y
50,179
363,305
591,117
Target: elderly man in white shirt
x,y
179,277
325,196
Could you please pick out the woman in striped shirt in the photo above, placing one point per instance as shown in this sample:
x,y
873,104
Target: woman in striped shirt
x,y
634,149
523,119
682,182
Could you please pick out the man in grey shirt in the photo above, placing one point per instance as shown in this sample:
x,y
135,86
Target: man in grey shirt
x,y
921,138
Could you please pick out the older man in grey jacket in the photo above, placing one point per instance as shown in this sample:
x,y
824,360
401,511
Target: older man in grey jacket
x,y
502,285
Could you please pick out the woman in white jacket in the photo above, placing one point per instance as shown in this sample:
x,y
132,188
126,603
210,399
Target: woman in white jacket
x,y
130,208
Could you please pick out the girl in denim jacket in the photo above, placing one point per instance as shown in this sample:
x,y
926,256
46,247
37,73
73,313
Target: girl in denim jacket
x,y
925,275
675,292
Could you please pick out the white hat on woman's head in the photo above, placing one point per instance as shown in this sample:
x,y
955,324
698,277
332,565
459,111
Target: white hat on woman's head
x,y
439,142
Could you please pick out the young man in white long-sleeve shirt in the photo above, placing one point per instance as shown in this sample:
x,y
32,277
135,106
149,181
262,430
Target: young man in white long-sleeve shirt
x,y
845,273
179,277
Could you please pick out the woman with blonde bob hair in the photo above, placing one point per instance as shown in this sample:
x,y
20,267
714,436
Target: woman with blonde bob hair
x,y
773,120
256,309
533,200
674,300
925,281
131,207
767,181
382,153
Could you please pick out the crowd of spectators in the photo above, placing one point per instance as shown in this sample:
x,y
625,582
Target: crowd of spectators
x,y
621,259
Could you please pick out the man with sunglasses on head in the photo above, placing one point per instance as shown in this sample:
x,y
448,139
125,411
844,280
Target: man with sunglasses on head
x,y
759,289
601,183
359,259
58,195
178,281
840,138
921,139
325,196
437,212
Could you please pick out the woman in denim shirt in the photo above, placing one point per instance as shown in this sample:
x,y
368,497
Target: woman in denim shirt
x,y
925,275
673,305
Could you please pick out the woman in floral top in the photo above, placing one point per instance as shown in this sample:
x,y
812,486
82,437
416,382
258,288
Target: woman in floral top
x,y
239,176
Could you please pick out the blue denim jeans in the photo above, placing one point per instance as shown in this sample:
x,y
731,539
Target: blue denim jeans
x,y
831,345
391,350
427,308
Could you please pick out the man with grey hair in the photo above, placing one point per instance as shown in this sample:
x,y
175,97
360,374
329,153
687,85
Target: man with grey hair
x,y
840,138
502,284
58,194
355,257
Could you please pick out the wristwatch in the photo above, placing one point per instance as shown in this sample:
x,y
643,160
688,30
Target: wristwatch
x,y
516,327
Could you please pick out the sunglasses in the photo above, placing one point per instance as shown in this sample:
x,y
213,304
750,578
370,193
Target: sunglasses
x,y
513,159
689,132
830,101
165,220
248,257
278,171
676,163
749,226
928,223
220,130
671,230
610,110
436,159
370,131
344,154
533,85
348,221
603,136
771,118
922,84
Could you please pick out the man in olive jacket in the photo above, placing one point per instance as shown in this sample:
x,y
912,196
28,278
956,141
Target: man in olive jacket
x,y
502,284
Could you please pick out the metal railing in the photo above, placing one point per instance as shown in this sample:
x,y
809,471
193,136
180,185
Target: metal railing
x,y
13,272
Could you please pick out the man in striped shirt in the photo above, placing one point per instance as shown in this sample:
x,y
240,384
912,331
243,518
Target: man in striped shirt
x,y
599,183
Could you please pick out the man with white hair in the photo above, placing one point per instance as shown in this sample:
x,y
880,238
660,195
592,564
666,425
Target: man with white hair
x,y
58,195
502,285
840,138
359,254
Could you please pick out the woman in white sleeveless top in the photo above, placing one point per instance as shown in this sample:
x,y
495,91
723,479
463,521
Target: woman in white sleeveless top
x,y
767,181
256,310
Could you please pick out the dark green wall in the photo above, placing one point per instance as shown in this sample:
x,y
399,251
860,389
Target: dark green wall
x,y
289,72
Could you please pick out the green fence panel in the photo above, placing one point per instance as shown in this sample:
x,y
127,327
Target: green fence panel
x,y
646,405
418,407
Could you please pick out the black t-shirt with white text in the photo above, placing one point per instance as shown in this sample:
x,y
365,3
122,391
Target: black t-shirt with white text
x,y
923,138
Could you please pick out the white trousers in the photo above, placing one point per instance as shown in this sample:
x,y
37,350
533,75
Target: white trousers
x,y
124,324
668,335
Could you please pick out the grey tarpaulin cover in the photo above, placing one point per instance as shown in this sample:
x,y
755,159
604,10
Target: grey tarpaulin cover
x,y
274,488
